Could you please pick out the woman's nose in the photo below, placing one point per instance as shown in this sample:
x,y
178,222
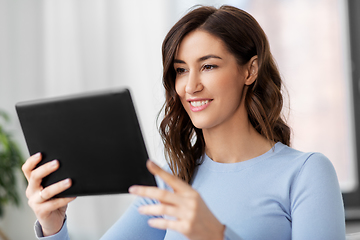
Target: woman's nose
x,y
193,84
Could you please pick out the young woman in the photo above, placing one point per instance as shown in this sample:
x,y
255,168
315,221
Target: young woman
x,y
234,175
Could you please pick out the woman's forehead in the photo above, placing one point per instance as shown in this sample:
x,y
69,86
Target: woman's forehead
x,y
199,43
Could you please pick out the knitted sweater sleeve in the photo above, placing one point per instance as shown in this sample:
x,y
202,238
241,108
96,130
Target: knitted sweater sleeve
x,y
317,210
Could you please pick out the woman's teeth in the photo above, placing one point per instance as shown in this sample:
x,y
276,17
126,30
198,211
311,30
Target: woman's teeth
x,y
199,103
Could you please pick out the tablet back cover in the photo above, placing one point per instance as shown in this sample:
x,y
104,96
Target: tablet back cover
x,y
95,136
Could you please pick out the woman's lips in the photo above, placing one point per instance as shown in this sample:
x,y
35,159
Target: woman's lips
x,y
199,105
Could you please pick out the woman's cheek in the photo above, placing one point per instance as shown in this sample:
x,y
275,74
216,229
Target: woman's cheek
x,y
180,88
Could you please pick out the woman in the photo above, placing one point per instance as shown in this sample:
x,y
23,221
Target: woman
x,y
234,174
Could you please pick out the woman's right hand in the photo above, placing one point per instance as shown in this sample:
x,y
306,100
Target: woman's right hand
x,y
49,212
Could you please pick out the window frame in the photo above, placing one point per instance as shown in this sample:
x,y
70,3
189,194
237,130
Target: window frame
x,y
352,199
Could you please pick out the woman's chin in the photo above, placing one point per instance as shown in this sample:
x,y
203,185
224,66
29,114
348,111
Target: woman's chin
x,y
202,124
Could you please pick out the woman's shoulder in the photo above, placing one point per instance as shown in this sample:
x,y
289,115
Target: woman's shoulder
x,y
285,159
301,157
305,163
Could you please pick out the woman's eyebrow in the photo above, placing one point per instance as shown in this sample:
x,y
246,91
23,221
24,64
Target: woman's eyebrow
x,y
178,61
200,59
207,57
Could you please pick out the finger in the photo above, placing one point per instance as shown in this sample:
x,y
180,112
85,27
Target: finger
x,y
44,209
30,164
54,189
159,210
162,223
155,193
39,173
57,203
173,181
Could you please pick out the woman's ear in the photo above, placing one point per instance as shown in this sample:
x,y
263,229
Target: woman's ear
x,y
252,70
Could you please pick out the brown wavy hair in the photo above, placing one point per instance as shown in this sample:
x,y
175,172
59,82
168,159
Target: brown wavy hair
x,y
244,38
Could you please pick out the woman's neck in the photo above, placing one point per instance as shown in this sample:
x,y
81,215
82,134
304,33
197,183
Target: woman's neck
x,y
235,142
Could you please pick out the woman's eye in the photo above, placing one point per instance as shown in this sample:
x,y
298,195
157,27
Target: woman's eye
x,y
209,67
180,70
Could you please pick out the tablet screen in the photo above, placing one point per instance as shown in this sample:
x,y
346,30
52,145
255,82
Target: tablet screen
x,y
96,138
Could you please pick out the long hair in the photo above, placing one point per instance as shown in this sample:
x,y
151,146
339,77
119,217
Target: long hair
x,y
244,38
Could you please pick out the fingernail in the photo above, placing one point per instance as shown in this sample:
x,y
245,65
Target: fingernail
x,y
151,163
141,209
133,189
152,222
66,182
37,155
54,163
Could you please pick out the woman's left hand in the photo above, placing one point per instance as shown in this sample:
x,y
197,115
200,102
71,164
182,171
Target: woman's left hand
x,y
189,213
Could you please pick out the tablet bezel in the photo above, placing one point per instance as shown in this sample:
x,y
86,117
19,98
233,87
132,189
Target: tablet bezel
x,y
95,136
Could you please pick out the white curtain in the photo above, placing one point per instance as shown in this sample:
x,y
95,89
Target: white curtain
x,y
57,47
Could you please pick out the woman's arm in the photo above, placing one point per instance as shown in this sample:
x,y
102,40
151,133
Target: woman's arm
x,y
61,235
134,226
317,210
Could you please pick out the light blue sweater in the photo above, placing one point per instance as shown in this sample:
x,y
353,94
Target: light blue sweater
x,y
283,194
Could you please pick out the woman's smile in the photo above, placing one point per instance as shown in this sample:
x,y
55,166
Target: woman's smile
x,y
199,105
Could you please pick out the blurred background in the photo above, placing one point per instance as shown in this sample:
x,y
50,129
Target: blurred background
x,y
57,47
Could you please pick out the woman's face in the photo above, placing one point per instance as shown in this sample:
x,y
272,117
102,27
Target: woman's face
x,y
209,81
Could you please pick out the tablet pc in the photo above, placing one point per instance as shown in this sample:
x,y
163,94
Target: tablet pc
x,y
96,138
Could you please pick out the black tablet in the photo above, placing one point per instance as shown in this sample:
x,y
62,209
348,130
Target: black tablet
x,y
95,136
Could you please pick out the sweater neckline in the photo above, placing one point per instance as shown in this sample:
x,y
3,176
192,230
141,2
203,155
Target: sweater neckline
x,y
238,166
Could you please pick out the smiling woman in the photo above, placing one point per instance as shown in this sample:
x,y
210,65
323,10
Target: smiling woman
x,y
234,175
229,61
